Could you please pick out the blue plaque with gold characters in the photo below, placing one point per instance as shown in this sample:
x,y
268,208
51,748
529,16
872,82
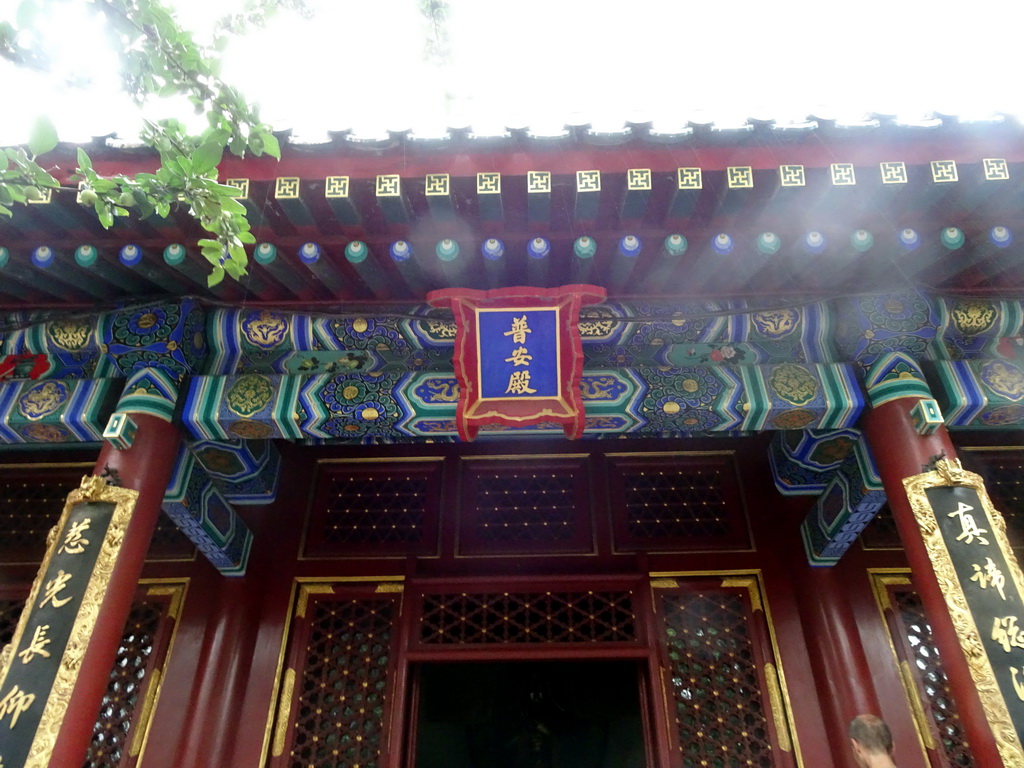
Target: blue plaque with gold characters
x,y
984,590
518,356
518,352
41,665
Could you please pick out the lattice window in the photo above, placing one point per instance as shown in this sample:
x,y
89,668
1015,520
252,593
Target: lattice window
x,y
528,617
881,532
515,506
143,650
1004,481
925,664
169,543
136,657
365,510
678,503
538,506
31,500
715,687
343,655
10,612
1003,472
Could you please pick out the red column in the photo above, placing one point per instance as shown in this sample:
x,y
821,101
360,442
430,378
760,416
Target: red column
x,y
838,661
222,676
900,452
146,467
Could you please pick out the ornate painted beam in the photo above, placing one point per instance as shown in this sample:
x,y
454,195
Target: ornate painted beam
x,y
246,471
849,502
396,406
202,512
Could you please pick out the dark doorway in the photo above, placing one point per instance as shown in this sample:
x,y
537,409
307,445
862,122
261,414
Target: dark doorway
x,y
526,714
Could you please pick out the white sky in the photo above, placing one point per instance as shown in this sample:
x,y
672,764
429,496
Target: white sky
x,y
359,64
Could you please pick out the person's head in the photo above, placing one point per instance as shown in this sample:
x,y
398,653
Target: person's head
x,y
869,735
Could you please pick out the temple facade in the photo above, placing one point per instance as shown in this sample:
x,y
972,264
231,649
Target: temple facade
x,y
784,489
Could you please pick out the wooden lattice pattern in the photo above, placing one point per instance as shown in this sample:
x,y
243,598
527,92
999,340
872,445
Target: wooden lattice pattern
x,y
339,715
30,505
881,532
113,732
528,617
685,503
10,612
536,506
928,668
374,509
1005,486
168,542
715,688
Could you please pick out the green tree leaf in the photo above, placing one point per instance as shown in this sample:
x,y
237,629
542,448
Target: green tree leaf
x,y
43,137
271,146
206,157
84,163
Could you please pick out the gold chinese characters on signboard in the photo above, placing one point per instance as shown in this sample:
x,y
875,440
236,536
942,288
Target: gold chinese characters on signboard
x,y
981,582
40,667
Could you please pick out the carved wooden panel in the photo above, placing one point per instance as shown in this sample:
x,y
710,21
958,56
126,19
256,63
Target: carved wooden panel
x,y
677,503
119,732
123,719
538,505
723,693
334,701
387,508
31,500
914,645
531,617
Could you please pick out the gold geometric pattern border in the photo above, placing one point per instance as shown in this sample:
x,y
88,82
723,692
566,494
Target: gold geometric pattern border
x,y
389,185
488,183
538,182
242,185
948,474
638,179
843,175
944,171
336,187
45,196
588,181
792,176
286,188
996,169
689,178
739,176
437,185
894,172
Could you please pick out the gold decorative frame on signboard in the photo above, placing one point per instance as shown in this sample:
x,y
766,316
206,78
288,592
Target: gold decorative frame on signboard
x,y
92,489
949,474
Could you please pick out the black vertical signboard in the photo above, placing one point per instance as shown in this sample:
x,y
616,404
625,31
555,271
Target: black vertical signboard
x,y
984,590
41,664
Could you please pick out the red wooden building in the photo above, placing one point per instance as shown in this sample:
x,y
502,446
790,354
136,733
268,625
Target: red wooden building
x,y
721,571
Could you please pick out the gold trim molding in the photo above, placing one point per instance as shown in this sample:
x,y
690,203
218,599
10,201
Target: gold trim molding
x,y
771,676
916,706
751,585
284,712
